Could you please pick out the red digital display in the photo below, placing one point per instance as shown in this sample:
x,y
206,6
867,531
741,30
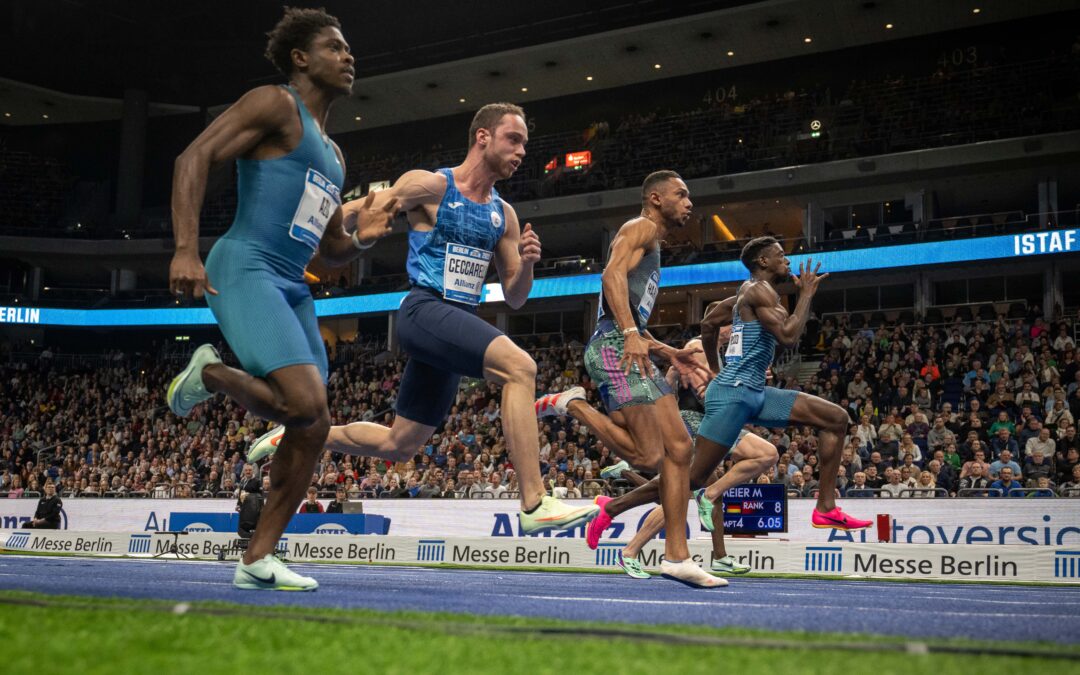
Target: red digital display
x,y
576,160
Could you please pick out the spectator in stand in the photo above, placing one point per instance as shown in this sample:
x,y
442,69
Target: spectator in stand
x,y
976,478
1036,467
311,504
1031,429
924,486
810,482
1071,487
1060,417
1005,482
889,434
1003,442
858,482
908,448
858,387
873,480
952,457
1002,422
1042,443
430,488
892,486
944,477
1005,460
1065,462
1063,342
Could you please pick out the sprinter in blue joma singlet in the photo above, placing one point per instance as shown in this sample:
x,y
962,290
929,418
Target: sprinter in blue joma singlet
x,y
459,227
290,178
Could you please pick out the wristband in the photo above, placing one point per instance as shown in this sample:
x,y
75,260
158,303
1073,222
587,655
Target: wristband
x,y
628,331
359,246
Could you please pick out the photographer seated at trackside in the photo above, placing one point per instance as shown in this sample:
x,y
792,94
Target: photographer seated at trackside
x,y
47,515
338,505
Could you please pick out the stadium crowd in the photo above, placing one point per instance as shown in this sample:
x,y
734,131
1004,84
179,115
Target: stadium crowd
x,y
936,410
922,109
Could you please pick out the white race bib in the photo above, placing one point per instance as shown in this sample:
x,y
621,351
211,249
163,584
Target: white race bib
x,y
464,271
648,298
734,346
320,200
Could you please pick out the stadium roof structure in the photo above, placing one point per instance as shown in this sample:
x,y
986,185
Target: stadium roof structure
x,y
72,60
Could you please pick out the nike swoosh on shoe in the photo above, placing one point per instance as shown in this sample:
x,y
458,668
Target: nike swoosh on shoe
x,y
261,580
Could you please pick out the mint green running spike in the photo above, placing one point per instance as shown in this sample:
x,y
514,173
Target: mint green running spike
x,y
632,566
704,509
729,565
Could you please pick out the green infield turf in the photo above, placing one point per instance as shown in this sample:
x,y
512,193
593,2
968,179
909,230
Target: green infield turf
x,y
41,633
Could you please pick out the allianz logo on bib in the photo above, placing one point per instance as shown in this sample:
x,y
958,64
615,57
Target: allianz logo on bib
x,y
139,543
431,550
824,559
17,540
607,554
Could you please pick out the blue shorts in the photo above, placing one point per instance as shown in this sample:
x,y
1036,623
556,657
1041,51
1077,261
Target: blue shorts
x,y
728,409
444,340
268,320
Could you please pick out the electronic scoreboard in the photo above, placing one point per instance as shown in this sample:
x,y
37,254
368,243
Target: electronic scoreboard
x,y
755,509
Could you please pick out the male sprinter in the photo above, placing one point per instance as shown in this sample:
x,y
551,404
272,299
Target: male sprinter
x,y
617,357
290,179
458,224
691,410
738,395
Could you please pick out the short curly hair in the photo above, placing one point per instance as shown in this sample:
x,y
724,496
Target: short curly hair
x,y
296,30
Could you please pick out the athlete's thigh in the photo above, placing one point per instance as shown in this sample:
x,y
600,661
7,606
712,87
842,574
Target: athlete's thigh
x,y
727,411
443,335
671,422
708,454
259,324
425,393
777,408
304,310
812,410
643,425
752,446
409,433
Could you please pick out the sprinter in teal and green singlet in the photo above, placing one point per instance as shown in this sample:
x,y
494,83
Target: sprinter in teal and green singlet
x,y
290,177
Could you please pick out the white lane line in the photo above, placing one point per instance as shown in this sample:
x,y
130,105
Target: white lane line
x,y
843,608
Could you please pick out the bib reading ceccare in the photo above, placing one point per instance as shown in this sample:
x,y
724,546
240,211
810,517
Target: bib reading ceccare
x,y
648,298
734,347
464,271
320,200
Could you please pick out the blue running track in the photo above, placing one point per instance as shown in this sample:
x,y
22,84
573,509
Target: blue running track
x,y
910,610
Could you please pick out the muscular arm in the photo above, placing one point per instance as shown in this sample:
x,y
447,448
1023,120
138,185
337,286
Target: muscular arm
x,y
718,314
785,327
627,250
262,112
515,270
372,216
